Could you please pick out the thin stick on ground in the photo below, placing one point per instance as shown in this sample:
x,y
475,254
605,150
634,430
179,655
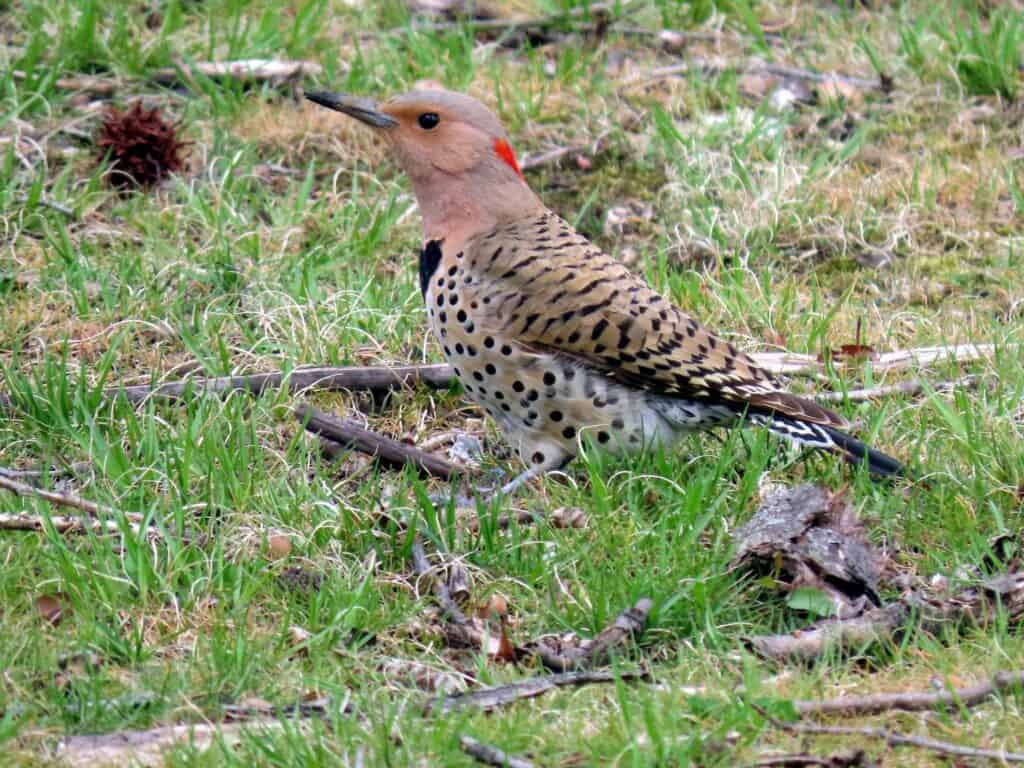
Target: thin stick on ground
x,y
914,701
245,70
491,755
777,70
908,388
894,739
499,696
78,468
61,524
64,500
388,451
594,652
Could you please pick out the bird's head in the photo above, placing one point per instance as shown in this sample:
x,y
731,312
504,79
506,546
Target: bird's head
x,y
455,151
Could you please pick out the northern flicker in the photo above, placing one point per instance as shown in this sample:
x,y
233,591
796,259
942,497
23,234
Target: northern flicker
x,y
557,341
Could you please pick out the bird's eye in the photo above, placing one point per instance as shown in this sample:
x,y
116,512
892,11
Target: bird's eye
x,y
428,120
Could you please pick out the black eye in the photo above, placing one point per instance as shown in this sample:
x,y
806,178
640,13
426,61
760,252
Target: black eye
x,y
428,120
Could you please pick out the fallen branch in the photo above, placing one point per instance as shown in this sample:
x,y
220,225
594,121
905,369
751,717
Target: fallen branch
x,y
78,468
627,626
597,11
787,363
893,739
60,524
489,755
706,66
914,701
973,605
853,759
372,378
563,517
390,452
64,500
908,388
246,70
499,696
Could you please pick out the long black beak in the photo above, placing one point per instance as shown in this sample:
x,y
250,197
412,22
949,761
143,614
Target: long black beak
x,y
363,110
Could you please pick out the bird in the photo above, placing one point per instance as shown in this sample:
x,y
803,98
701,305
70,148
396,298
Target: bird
x,y
557,341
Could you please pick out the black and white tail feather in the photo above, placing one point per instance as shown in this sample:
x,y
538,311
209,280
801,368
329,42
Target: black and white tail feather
x,y
827,438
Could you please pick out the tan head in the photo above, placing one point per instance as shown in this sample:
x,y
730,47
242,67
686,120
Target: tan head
x,y
455,151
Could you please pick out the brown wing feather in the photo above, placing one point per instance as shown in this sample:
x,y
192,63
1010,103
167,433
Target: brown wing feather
x,y
545,285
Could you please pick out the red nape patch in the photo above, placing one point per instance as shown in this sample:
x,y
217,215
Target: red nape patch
x,y
504,151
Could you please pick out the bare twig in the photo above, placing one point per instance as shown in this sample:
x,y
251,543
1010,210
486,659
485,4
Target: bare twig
x,y
563,517
852,759
97,86
783,363
896,739
490,755
65,500
349,378
60,524
571,16
373,378
439,587
389,451
972,605
78,468
969,696
503,695
627,625
909,388
246,70
777,70
53,205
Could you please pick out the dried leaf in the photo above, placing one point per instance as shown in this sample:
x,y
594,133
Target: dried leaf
x,y
506,651
279,546
496,606
53,608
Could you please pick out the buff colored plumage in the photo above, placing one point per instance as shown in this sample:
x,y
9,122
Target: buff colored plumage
x,y
555,339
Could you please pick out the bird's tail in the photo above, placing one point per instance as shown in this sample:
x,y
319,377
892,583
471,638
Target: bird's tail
x,y
828,438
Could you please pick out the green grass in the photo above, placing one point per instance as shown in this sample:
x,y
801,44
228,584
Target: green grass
x,y
760,221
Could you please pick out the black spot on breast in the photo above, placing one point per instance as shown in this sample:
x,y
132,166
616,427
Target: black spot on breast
x,y
489,342
459,348
569,433
430,257
461,316
603,437
452,270
506,350
518,386
491,370
555,415
549,379
618,424
537,458
443,317
478,376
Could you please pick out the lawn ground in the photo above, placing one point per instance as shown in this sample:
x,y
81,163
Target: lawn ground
x,y
788,214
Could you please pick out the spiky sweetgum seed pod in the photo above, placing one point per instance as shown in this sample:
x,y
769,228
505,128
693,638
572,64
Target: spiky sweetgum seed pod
x,y
141,147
